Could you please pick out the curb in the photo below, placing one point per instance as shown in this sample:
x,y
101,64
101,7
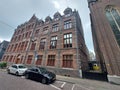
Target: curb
x,y
69,79
3,70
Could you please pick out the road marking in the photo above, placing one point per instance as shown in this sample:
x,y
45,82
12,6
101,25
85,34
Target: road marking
x,y
63,85
73,87
55,87
22,77
83,87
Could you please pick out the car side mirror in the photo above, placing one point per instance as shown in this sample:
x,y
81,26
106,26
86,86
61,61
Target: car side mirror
x,y
37,71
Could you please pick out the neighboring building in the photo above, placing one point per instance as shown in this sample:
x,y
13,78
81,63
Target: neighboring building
x,y
105,23
91,56
3,46
57,44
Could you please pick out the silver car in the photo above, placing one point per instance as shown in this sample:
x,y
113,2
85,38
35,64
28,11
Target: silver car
x,y
17,69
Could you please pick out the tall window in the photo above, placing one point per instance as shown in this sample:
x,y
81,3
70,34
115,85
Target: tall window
x,y
55,28
23,36
39,60
19,46
11,49
67,40
29,60
11,57
42,43
67,24
25,47
19,38
26,35
113,16
7,58
15,47
8,48
53,42
4,58
68,61
45,30
51,60
22,46
22,58
33,46
36,32
29,34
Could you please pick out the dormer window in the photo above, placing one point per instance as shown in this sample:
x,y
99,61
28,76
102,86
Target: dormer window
x,y
67,15
57,16
56,19
48,19
41,22
67,12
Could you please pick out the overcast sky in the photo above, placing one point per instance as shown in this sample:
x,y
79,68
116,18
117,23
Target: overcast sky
x,y
16,12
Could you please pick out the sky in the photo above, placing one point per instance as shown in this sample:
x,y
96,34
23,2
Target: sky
x,y
16,12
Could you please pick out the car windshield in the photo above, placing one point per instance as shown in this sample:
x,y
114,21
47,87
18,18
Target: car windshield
x,y
21,66
43,70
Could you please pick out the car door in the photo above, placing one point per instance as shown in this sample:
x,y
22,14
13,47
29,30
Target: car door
x,y
32,73
36,74
13,68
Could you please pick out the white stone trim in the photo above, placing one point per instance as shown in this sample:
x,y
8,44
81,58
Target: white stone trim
x,y
114,79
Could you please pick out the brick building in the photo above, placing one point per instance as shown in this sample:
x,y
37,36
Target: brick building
x,y
57,44
105,23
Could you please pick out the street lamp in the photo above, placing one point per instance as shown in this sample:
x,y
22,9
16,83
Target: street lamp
x,y
35,52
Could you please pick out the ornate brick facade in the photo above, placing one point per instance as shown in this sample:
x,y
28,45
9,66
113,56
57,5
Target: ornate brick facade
x,y
57,44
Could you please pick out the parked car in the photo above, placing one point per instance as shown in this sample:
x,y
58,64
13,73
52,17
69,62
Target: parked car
x,y
40,74
17,69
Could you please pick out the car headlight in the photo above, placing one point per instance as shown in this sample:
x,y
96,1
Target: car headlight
x,y
47,76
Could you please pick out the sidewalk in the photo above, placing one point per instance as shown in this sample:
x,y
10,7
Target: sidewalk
x,y
96,85
3,70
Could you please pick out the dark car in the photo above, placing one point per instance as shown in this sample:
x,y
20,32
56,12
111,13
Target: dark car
x,y
40,74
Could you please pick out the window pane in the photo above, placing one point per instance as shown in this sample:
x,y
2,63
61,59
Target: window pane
x,y
114,20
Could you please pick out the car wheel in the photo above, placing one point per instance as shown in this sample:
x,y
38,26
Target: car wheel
x,y
8,71
44,81
27,76
17,73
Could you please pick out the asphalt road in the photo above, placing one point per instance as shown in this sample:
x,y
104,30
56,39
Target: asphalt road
x,y
12,82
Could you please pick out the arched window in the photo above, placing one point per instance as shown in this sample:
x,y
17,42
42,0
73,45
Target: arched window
x,y
113,16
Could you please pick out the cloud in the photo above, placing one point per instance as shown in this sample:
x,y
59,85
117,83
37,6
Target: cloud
x,y
56,4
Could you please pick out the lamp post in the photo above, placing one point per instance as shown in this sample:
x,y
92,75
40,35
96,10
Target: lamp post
x,y
35,52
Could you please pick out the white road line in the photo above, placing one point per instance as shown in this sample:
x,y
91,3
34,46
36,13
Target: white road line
x,y
55,87
84,87
63,84
22,77
73,87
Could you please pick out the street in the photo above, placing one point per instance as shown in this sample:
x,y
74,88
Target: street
x,y
12,82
